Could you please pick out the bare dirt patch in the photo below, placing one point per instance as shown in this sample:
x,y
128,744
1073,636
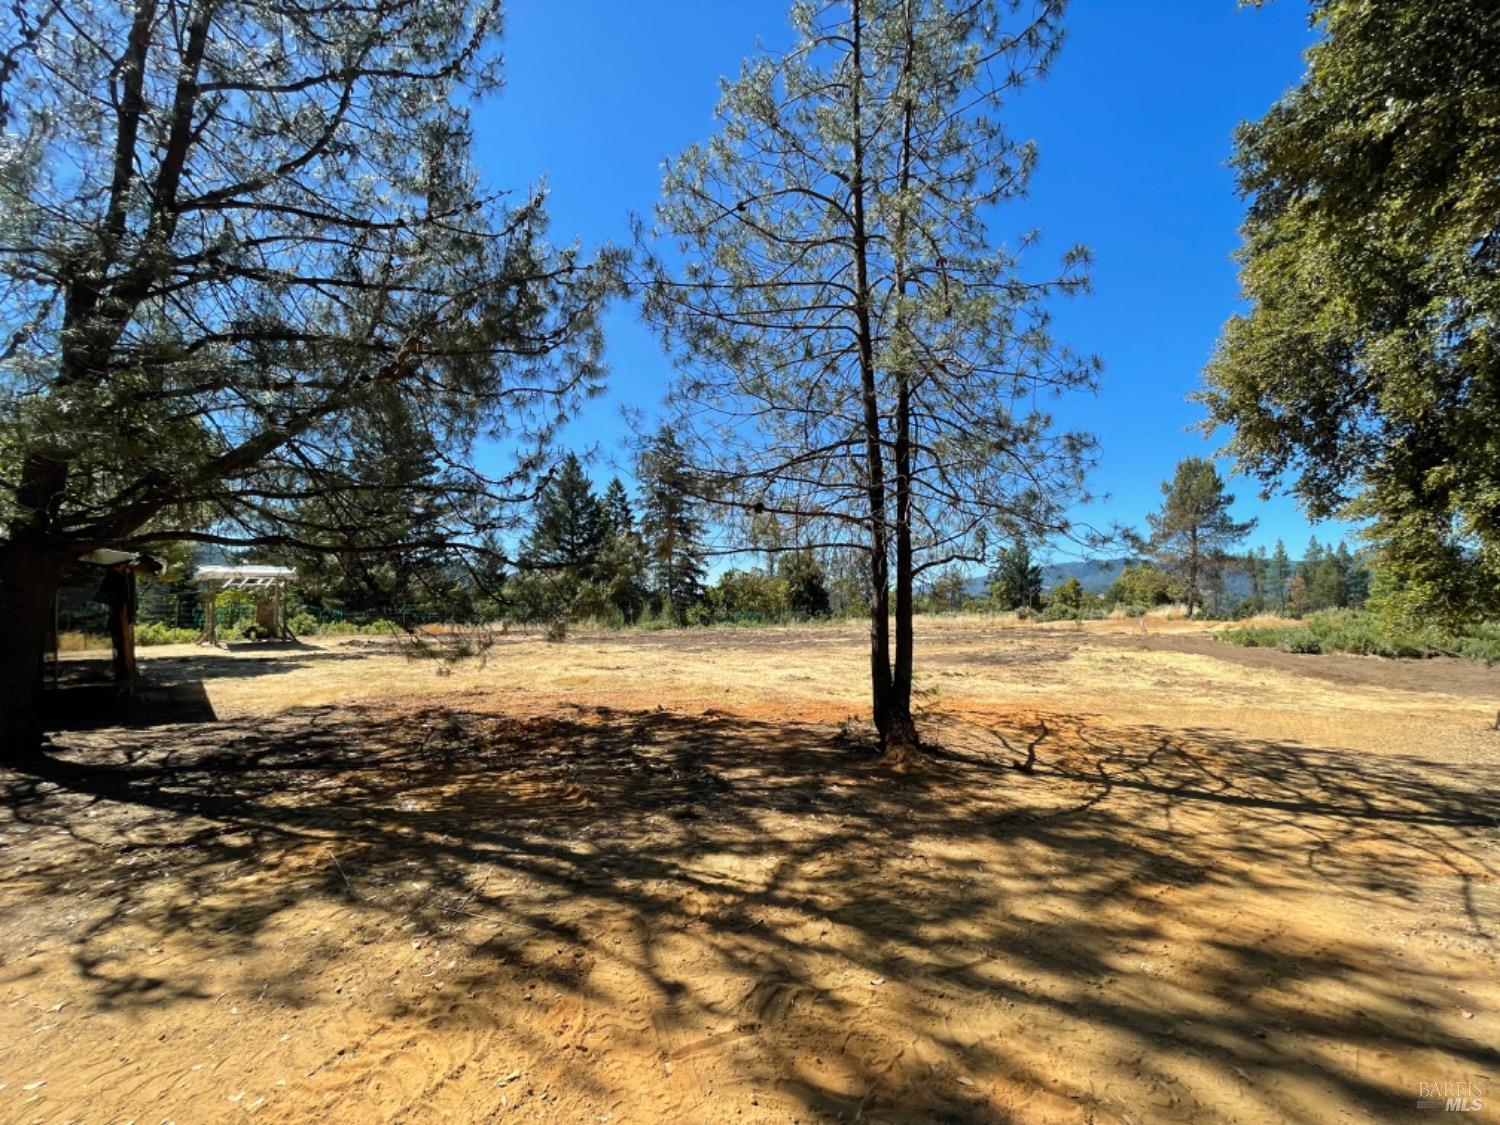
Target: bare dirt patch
x,y
621,880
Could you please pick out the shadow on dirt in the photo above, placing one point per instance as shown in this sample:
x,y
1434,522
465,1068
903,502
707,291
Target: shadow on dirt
x,y
611,838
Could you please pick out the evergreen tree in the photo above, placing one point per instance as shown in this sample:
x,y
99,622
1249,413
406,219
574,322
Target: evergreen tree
x,y
227,231
1278,574
1357,583
619,519
622,568
1255,566
569,523
1192,534
1016,581
671,525
858,354
1368,364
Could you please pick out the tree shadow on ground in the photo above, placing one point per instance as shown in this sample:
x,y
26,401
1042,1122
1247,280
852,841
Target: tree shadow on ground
x,y
724,898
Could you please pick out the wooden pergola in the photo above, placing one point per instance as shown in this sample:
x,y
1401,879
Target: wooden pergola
x,y
268,582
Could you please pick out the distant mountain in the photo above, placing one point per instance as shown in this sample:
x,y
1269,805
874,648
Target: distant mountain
x,y
1094,575
1098,575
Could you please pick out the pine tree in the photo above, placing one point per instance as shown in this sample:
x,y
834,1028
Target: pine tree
x,y
622,569
619,519
1255,565
1192,534
858,354
1278,574
671,525
569,525
1015,580
230,231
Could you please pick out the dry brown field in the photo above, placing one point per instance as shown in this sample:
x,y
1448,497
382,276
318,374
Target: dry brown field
x,y
651,877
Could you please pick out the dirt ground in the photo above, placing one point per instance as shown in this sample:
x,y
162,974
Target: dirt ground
x,y
660,877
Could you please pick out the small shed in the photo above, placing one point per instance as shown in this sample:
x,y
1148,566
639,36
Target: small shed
x,y
269,584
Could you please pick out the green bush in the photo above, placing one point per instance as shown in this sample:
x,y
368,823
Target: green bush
x,y
1299,640
1369,634
303,625
155,633
1481,642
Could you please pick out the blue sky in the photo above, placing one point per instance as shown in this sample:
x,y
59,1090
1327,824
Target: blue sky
x,y
1134,126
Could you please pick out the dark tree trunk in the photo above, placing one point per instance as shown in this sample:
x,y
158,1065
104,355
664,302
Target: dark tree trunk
x,y
880,578
28,584
901,739
880,646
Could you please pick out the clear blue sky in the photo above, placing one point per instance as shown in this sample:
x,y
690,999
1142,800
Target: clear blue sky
x,y
1134,126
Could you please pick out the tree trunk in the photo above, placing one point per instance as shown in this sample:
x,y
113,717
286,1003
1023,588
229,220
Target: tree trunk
x,y
28,584
901,738
880,580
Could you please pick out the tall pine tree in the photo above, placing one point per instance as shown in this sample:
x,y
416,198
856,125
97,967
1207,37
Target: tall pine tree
x,y
671,524
1193,532
859,354
568,527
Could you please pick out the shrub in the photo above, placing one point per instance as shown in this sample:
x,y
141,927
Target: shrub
x,y
1369,634
303,625
155,633
1299,640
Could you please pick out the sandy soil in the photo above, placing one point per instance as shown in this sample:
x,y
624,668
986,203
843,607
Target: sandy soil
x,y
659,877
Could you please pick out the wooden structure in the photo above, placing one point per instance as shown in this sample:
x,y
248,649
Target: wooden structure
x,y
269,584
118,593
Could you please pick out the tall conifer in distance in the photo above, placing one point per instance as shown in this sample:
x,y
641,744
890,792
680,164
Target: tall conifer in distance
x,y
1193,532
568,528
671,524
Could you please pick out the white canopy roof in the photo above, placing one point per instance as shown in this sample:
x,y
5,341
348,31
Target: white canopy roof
x,y
253,575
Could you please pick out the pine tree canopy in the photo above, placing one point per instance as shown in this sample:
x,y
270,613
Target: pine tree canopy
x,y
569,525
1193,532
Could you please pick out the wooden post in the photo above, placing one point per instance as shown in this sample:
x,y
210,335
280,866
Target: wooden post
x,y
127,647
210,615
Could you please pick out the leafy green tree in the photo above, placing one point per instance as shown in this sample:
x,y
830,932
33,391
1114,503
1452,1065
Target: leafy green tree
x,y
742,595
1143,585
947,592
671,525
1368,363
1068,594
1015,581
857,354
1193,532
807,594
228,230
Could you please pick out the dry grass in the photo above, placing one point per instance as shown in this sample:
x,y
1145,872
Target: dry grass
x,y
82,642
647,877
